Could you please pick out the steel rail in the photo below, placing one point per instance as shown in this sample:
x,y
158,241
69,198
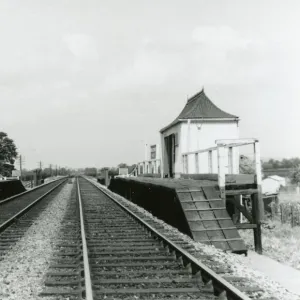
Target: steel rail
x,y
29,191
221,287
86,265
7,223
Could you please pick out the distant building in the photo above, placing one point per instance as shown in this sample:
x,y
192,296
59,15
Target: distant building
x,y
271,185
197,127
123,171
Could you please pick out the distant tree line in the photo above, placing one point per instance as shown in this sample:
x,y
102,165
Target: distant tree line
x,y
27,175
112,171
282,164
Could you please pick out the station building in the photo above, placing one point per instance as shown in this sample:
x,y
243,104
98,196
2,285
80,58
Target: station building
x,y
198,126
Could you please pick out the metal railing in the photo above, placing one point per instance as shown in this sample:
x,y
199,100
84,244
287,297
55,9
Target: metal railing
x,y
151,166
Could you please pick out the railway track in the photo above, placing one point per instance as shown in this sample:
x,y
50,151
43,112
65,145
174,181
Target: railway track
x,y
14,207
19,212
107,252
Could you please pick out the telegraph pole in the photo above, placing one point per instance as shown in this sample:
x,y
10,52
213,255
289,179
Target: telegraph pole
x,y
39,172
50,167
21,165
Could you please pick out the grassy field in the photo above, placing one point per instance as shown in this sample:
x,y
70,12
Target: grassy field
x,y
280,242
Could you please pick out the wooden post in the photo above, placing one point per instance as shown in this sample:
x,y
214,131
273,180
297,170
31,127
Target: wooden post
x,y
241,214
106,177
230,160
221,172
162,149
210,162
257,221
197,163
261,208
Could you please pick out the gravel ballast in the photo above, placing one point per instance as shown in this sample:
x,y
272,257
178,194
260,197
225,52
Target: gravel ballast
x,y
239,264
22,270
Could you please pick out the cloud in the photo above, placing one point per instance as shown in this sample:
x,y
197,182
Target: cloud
x,y
223,37
82,46
148,67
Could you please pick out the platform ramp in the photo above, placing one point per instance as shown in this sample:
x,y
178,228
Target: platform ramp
x,y
194,207
208,219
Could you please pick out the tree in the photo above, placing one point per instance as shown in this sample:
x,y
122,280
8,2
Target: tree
x,y
295,175
284,163
90,172
122,165
8,154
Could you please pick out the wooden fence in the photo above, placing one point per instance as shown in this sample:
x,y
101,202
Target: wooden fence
x,y
286,213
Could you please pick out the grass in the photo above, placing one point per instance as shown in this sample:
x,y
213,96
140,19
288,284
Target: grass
x,y
280,242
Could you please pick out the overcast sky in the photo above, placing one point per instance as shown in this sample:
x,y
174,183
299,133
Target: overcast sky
x,y
84,83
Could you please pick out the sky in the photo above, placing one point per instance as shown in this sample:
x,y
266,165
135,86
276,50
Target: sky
x,y
87,83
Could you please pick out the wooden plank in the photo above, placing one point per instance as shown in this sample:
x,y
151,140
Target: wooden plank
x,y
224,240
233,237
187,190
235,142
241,192
205,200
213,219
229,178
213,229
246,226
207,209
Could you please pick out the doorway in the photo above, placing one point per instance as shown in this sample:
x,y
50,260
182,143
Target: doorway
x,y
170,149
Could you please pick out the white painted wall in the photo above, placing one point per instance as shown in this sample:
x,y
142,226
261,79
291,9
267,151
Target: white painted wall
x,y
270,186
199,135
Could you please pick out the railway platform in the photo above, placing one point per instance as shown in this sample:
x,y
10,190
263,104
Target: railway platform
x,y
287,276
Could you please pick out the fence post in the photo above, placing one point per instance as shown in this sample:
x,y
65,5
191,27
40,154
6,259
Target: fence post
x,y
292,216
221,171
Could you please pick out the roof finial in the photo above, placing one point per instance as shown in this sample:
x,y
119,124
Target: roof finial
x,y
202,89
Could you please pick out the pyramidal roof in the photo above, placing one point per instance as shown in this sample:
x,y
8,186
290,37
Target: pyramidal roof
x,y
200,107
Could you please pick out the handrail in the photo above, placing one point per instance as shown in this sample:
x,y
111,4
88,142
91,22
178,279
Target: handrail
x,y
156,163
200,151
149,160
220,148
